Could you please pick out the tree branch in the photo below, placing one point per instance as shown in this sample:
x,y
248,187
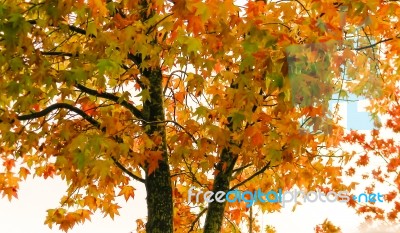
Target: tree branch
x,y
51,53
251,177
86,117
151,28
238,170
70,27
129,173
174,122
137,59
197,219
301,4
136,112
375,44
56,106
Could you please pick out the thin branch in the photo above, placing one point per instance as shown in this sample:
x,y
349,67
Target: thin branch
x,y
234,225
136,58
375,44
279,24
175,123
136,112
239,170
197,219
71,27
170,76
86,117
129,173
56,106
301,4
242,167
151,28
51,53
192,175
251,177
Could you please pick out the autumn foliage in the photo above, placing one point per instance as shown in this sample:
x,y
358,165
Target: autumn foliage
x,y
216,95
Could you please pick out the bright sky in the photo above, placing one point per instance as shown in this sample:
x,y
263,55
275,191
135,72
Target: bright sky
x,y
27,214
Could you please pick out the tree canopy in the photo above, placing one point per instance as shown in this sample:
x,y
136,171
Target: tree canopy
x,y
215,95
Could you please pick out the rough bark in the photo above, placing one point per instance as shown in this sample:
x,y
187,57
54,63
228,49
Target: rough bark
x,y
215,213
158,183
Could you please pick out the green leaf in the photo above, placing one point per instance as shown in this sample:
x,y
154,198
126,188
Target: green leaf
x,y
77,142
193,45
249,47
248,61
275,156
111,7
237,119
16,19
145,94
79,159
16,63
201,112
106,65
125,96
75,75
343,94
276,80
91,29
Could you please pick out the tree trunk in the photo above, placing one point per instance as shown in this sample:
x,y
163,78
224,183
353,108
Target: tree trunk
x,y
216,210
158,183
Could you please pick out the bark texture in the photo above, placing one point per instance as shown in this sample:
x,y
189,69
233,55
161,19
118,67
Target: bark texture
x,y
158,183
216,210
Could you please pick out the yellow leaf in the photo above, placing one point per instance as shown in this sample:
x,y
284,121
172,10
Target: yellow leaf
x,y
127,191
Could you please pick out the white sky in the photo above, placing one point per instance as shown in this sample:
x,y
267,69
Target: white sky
x,y
27,214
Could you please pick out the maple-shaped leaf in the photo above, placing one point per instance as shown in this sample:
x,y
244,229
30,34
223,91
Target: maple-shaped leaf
x,y
363,160
237,119
127,191
91,202
197,94
153,158
84,215
393,164
23,173
9,164
257,139
111,209
10,192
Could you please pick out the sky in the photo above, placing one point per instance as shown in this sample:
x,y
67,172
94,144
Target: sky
x,y
28,212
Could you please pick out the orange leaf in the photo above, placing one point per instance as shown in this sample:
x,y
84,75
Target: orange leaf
x,y
257,139
23,173
10,192
180,96
154,157
91,202
127,191
363,161
9,164
393,164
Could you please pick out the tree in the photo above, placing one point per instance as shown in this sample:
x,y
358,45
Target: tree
x,y
213,95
